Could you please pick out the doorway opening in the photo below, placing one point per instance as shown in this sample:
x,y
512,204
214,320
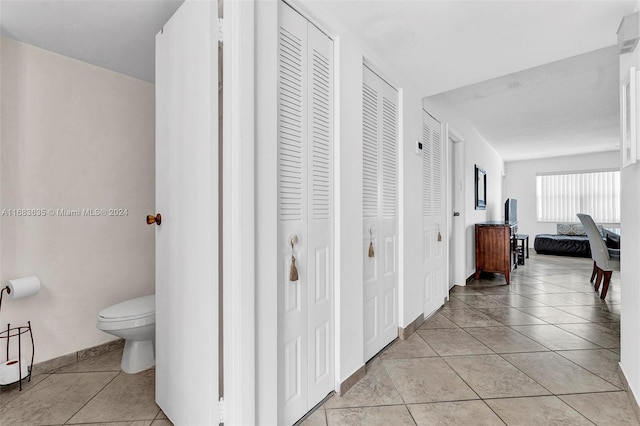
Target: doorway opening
x,y
456,207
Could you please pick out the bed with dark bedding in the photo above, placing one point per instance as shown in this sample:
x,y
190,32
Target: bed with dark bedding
x,y
562,245
570,240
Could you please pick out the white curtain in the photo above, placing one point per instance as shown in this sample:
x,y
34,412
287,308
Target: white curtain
x,y
561,197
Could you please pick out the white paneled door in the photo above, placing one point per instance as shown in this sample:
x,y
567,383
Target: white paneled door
x,y
187,198
434,227
305,191
380,245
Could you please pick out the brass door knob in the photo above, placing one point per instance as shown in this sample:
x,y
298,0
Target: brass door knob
x,y
157,219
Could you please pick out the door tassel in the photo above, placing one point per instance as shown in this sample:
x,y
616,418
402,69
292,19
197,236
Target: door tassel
x,y
371,254
439,236
293,273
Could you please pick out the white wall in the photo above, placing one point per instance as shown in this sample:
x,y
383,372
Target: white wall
x,y
520,183
74,136
630,253
476,151
411,254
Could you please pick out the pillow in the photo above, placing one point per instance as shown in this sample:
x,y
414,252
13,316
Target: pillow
x,y
571,229
575,229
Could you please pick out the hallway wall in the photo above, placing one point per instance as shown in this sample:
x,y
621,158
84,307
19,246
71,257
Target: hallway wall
x,y
630,253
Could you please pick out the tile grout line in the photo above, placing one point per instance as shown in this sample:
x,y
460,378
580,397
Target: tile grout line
x,y
91,399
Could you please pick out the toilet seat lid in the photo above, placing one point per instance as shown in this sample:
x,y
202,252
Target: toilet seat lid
x,y
132,308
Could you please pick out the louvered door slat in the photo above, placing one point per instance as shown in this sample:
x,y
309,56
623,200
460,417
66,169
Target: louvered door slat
x,y
370,151
290,125
437,172
427,185
321,135
389,158
432,173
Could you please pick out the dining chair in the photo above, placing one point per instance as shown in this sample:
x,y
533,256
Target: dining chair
x,y
605,260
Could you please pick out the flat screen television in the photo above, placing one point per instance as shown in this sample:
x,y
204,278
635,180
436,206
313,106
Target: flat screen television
x,y
511,210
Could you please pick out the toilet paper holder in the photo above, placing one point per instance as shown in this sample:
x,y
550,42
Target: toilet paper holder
x,y
8,290
7,374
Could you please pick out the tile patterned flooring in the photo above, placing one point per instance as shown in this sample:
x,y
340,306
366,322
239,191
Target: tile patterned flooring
x,y
90,392
542,351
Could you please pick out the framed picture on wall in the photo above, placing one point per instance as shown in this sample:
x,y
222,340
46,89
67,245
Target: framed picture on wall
x,y
628,148
481,188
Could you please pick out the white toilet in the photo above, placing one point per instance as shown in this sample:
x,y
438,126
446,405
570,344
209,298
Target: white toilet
x,y
135,321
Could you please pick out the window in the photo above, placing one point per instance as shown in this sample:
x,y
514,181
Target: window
x,y
560,197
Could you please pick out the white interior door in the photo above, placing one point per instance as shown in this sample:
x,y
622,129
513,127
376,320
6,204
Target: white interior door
x,y
434,229
380,133
457,257
320,221
305,181
187,197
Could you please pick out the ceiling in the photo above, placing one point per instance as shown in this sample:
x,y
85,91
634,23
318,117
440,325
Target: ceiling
x,y
115,34
536,78
563,108
530,95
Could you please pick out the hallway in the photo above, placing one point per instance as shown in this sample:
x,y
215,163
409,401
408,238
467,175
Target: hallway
x,y
542,351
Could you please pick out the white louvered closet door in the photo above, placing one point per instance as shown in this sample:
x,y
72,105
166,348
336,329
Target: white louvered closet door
x,y
305,175
433,215
379,145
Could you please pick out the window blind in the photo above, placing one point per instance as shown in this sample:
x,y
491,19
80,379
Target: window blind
x,y
560,197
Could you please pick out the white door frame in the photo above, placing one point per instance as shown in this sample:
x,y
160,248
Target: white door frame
x,y
456,224
238,214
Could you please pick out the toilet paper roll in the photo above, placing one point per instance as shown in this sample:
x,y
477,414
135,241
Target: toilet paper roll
x,y
23,287
10,371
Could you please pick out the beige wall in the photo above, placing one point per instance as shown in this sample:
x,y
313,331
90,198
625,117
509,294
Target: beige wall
x,y
73,136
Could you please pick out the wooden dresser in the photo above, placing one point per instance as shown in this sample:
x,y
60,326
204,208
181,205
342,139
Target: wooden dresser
x,y
495,248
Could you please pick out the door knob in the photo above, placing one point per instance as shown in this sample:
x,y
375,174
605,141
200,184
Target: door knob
x,y
157,219
456,213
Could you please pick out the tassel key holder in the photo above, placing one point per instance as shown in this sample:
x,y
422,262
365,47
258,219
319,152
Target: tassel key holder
x,y
293,273
293,270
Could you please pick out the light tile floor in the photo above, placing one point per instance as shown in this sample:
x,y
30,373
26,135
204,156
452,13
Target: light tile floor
x,y
542,351
90,392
